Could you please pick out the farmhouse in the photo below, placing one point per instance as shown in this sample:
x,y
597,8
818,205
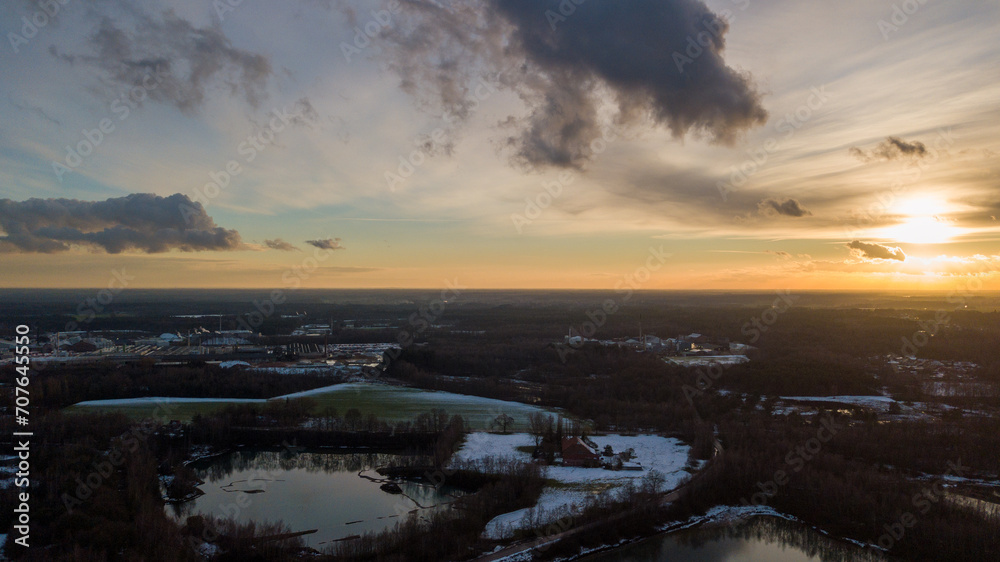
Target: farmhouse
x,y
577,453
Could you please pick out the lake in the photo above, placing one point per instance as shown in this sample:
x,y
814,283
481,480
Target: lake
x,y
336,493
760,539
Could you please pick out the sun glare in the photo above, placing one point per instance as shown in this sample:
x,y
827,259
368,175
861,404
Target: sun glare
x,y
923,222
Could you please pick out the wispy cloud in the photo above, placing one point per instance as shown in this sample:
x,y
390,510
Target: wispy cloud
x,y
786,207
327,244
170,58
279,244
780,254
892,148
868,250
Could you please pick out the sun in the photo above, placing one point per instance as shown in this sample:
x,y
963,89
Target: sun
x,y
924,221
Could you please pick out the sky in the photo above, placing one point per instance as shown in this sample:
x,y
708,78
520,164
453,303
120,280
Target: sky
x,y
649,144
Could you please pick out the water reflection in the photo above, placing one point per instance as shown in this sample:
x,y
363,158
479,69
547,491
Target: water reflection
x,y
984,508
761,539
220,467
336,493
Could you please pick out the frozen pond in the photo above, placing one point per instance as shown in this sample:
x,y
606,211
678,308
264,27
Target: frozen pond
x,y
761,539
336,493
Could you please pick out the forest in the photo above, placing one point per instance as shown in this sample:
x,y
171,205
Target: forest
x,y
873,471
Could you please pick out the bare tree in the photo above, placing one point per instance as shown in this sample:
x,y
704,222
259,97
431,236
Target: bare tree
x,y
540,425
503,421
653,482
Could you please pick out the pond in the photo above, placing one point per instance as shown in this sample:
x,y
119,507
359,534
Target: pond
x,y
338,494
760,539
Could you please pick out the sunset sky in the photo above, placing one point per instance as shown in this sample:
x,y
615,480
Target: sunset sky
x,y
501,144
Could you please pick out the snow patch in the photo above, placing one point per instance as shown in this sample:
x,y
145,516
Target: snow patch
x,y
876,402
313,392
578,485
230,364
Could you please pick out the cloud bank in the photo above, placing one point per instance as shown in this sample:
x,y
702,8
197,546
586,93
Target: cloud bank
x,y
138,222
654,61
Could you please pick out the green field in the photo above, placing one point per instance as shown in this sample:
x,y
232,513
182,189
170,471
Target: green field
x,y
397,403
390,403
168,409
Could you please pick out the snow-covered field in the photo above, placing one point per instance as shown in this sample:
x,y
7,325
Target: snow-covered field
x,y
553,504
706,360
874,402
313,392
156,400
390,403
576,485
880,404
480,445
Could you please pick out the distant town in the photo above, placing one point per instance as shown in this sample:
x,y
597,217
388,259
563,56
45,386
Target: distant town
x,y
307,353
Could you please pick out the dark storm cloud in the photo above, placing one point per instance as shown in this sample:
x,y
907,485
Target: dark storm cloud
x,y
171,59
279,244
788,208
327,244
140,221
877,251
657,61
892,148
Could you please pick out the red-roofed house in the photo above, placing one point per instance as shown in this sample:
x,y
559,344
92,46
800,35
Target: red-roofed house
x,y
577,453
